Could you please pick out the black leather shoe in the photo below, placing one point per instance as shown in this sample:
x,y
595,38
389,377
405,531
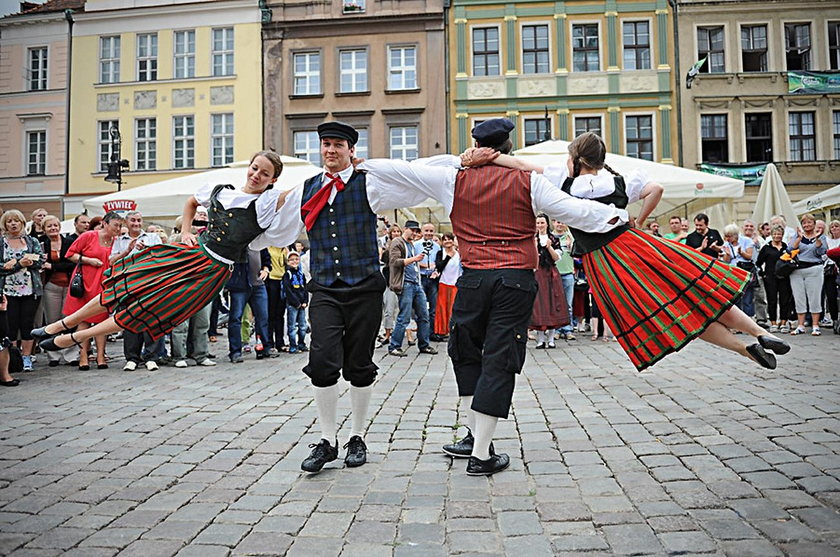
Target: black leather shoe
x,y
40,333
49,343
496,463
775,344
764,359
464,447
356,452
321,453
428,350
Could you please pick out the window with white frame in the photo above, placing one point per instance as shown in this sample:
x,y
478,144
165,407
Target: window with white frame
x,y
183,142
145,143
758,132
353,71
836,128
402,67
307,78
710,46
798,46
802,136
184,54
714,138
222,55
485,51
221,138
362,144
636,39
537,130
585,124
404,143
834,45
147,49
109,59
535,49
585,54
37,66
105,144
754,48
638,136
307,146
36,153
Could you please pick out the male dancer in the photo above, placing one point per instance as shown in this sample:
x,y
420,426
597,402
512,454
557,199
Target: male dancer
x,y
345,309
493,212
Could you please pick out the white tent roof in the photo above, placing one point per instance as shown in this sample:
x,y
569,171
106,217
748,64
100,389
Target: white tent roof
x,y
772,198
167,198
683,186
819,202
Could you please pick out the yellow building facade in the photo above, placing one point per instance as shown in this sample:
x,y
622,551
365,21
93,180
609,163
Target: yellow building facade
x,y
180,82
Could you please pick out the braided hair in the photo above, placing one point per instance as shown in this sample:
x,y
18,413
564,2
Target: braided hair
x,y
589,150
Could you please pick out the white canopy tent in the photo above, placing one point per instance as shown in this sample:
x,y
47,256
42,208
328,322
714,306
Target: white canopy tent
x,y
772,198
686,191
820,202
165,200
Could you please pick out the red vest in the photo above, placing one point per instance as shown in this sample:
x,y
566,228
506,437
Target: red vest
x,y
493,219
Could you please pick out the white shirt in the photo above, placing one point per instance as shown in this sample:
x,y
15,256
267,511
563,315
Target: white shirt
x,y
121,244
452,271
238,199
394,184
593,186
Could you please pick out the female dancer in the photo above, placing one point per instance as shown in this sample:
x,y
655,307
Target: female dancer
x,y
159,287
656,295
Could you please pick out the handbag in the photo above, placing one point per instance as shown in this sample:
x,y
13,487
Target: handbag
x,y
77,283
784,267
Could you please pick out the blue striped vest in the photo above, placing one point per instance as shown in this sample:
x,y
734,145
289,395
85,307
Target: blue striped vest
x,y
343,239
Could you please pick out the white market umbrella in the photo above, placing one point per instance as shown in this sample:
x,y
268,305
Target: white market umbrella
x,y
773,198
686,189
167,198
819,202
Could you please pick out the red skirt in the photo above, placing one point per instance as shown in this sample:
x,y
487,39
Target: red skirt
x,y
162,286
443,309
551,311
657,295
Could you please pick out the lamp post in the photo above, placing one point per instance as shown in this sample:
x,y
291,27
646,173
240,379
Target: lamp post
x,y
116,164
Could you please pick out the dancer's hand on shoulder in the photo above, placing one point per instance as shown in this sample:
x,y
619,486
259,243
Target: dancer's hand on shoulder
x,y
478,156
356,161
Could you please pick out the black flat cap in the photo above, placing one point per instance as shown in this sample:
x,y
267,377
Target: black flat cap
x,y
493,131
340,130
412,224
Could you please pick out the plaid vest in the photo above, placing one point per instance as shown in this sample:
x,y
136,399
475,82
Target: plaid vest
x,y
343,239
493,219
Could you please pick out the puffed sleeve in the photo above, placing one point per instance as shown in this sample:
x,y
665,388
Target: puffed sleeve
x,y
634,182
286,223
556,173
586,215
266,206
203,194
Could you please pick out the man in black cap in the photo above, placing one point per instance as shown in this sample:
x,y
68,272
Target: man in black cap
x,y
405,281
347,285
494,133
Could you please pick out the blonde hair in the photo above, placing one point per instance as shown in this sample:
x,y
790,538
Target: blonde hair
x,y
731,229
808,216
49,218
11,214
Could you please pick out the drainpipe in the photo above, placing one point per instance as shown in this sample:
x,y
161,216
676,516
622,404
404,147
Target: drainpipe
x,y
446,66
68,15
677,81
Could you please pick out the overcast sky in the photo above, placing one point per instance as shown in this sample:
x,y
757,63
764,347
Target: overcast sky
x,y
11,6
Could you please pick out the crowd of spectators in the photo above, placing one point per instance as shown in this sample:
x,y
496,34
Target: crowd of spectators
x,y
265,303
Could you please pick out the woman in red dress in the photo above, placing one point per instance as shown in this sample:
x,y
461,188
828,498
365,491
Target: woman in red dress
x,y
92,248
551,311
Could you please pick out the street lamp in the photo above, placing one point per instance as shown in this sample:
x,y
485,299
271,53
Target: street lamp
x,y
116,164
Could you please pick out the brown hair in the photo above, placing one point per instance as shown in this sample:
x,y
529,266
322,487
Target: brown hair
x,y
273,158
589,150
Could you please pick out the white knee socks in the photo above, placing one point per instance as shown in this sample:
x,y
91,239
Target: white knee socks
x,y
326,399
360,401
485,427
467,412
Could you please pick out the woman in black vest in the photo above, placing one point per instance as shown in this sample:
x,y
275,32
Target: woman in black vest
x,y
656,295
161,286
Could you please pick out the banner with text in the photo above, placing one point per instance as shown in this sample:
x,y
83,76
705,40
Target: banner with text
x,y
751,174
813,83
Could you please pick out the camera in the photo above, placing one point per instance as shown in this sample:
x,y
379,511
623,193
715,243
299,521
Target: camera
x,y
427,246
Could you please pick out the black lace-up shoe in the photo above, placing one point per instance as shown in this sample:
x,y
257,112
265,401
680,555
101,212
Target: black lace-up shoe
x,y
496,463
321,453
464,447
356,452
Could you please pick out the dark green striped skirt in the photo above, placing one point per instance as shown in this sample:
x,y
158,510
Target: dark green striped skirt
x,y
162,286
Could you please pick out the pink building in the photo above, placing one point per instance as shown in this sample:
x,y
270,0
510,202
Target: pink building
x,y
33,106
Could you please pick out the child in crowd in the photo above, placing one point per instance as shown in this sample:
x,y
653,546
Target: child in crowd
x,y
294,287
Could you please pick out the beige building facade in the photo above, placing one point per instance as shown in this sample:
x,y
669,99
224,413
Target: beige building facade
x,y
739,108
33,107
379,66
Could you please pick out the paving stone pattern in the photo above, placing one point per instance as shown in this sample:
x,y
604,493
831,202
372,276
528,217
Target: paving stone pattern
x,y
703,454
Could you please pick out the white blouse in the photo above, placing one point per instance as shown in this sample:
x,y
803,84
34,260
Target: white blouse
x,y
238,199
593,186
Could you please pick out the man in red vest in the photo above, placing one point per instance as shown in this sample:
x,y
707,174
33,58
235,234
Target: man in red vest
x,y
493,213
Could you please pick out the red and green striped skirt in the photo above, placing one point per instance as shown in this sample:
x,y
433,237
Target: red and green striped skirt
x,y
162,286
657,295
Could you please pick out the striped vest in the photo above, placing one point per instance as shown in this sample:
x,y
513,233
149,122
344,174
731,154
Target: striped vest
x,y
343,239
493,219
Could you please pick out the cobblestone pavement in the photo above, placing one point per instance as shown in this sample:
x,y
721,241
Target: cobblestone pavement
x,y
704,454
